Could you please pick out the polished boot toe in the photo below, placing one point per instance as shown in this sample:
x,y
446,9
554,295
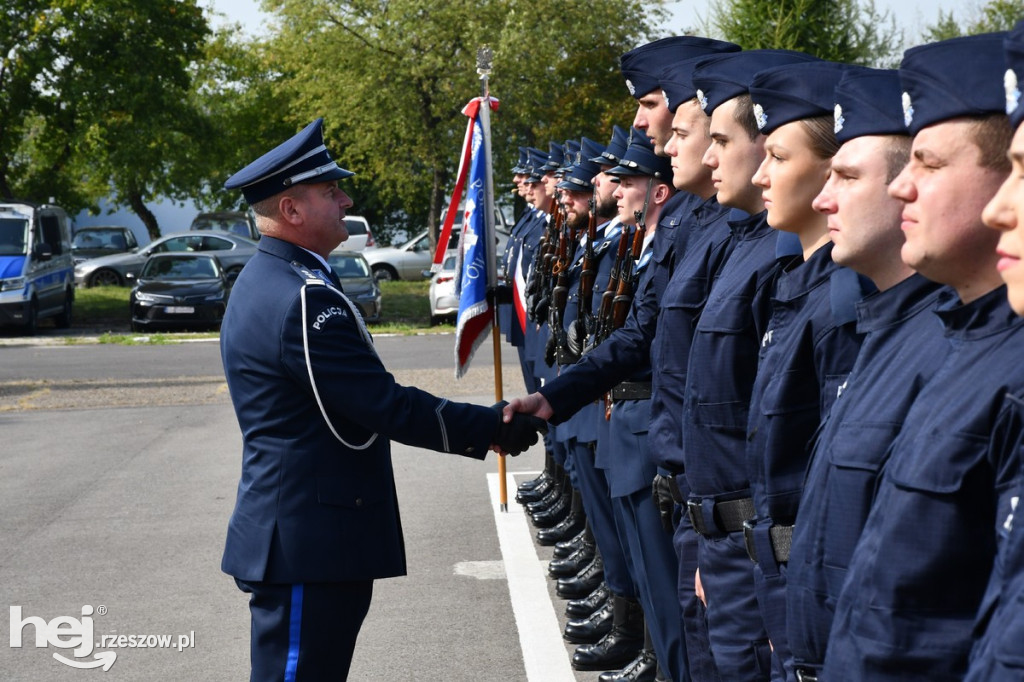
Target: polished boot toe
x,y
552,515
591,629
567,547
643,668
614,651
572,564
581,608
582,584
566,529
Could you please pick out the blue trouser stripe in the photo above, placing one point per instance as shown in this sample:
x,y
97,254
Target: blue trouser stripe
x,y
294,631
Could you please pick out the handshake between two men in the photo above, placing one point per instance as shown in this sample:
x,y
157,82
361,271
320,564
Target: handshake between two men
x,y
519,422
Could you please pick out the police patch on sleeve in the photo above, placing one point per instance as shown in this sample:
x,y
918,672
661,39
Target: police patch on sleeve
x,y
327,314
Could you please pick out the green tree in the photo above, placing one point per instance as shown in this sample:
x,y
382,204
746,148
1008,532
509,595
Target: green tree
x,y
392,77
96,99
839,30
997,15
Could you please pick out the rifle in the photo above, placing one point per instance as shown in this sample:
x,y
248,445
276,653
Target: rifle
x,y
631,273
583,325
604,314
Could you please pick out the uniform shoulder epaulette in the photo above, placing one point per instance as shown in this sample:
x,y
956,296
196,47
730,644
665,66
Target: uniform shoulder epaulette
x,y
847,288
312,277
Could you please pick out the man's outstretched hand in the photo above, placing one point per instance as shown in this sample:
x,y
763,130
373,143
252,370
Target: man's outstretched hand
x,y
516,433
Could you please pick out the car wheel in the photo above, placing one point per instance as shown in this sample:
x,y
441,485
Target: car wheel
x,y
136,327
435,320
105,277
63,320
384,273
233,270
32,318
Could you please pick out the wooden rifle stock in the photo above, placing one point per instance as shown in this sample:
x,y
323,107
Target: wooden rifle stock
x,y
588,270
604,316
627,280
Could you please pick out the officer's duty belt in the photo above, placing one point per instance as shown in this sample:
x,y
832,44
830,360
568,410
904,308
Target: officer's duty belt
x,y
677,494
726,517
632,390
781,537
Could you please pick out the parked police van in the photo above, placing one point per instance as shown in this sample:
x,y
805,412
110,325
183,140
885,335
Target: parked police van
x,y
37,278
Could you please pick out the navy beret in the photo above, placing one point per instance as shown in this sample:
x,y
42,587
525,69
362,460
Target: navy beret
x,y
720,78
783,94
640,159
952,78
677,80
1013,46
616,148
641,67
580,175
868,103
303,159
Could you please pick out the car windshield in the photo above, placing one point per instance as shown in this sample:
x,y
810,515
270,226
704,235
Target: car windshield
x,y
112,240
348,265
239,226
180,268
13,236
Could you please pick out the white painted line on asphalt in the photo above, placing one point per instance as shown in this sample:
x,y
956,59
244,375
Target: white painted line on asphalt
x,y
540,636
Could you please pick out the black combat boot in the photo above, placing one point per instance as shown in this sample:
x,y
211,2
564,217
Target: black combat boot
x,y
618,647
581,608
592,628
568,527
584,583
567,547
643,668
574,563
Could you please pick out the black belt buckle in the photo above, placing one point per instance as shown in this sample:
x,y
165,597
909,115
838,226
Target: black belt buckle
x,y
696,514
677,494
748,540
805,675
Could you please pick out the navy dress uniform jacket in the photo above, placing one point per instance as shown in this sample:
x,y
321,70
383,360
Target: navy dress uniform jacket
x,y
680,308
316,501
902,349
922,563
998,655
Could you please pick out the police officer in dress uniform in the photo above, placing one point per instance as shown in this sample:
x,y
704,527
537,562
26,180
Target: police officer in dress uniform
x,y
811,340
920,568
997,655
721,368
902,348
316,518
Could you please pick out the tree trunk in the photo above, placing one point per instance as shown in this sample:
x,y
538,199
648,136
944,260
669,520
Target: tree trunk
x,y
147,217
437,198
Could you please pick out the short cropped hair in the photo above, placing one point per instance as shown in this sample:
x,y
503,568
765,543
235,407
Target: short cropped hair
x,y
992,134
744,115
897,154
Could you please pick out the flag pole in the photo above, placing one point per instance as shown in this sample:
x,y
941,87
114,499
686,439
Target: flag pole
x,y
484,59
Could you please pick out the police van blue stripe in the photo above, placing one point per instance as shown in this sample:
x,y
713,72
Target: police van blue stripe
x,y
294,632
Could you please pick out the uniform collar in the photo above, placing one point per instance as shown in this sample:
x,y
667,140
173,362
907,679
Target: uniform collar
x,y
289,252
991,314
747,226
800,278
897,304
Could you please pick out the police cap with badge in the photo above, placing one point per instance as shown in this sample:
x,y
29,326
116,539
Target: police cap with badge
x,y
640,159
1013,48
720,78
947,80
868,103
784,94
303,159
611,154
580,176
642,67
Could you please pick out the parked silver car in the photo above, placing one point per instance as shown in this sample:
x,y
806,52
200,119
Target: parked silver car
x,y
357,281
444,304
232,250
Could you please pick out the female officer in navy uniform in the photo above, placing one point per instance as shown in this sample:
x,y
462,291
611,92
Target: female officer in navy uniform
x,y
316,518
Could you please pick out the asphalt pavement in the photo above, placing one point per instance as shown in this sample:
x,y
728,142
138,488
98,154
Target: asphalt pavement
x,y
118,469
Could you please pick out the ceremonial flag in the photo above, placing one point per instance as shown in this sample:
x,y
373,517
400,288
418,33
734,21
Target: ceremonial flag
x,y
476,251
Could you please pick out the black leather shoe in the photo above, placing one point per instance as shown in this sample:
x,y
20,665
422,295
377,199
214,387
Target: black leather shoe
x,y
615,650
534,482
583,584
536,493
567,547
591,629
643,668
566,529
553,495
581,608
572,564
551,516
